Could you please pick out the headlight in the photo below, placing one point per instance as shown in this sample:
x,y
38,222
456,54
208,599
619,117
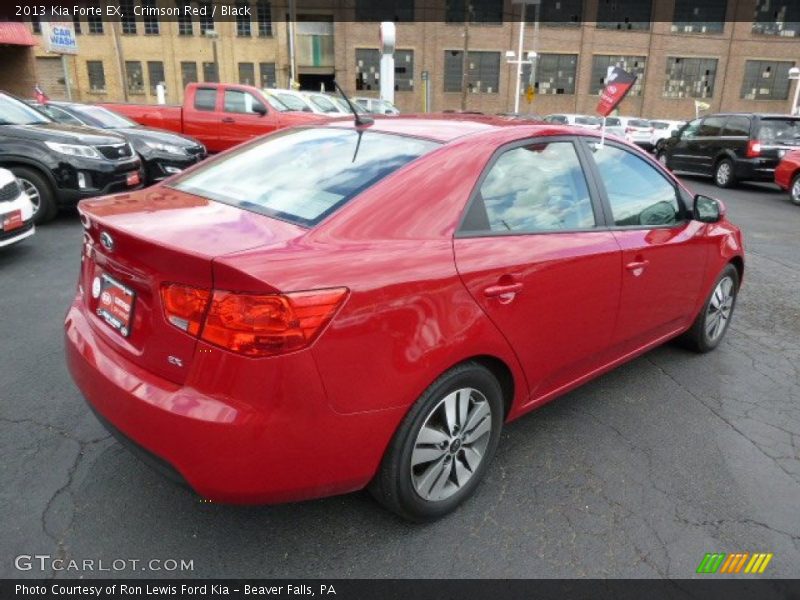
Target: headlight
x,y
74,150
168,148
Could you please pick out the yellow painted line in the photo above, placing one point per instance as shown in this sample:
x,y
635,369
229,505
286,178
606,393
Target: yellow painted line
x,y
766,562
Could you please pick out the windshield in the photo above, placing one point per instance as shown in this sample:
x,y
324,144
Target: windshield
x,y
778,130
638,123
97,116
345,107
302,176
293,102
14,112
659,124
275,103
587,120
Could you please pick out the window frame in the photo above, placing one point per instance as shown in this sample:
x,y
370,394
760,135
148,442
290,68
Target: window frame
x,y
681,196
591,185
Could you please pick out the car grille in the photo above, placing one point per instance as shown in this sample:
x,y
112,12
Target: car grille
x,y
116,151
9,191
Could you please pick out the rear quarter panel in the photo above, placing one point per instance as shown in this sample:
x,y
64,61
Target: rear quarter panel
x,y
160,116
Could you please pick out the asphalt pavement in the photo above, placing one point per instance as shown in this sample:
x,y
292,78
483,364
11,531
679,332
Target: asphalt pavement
x,y
637,474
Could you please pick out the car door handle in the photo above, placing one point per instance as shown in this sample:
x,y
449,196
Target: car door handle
x,y
637,265
228,120
495,291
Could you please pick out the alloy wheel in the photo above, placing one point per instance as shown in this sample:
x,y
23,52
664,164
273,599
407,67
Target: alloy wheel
x,y
33,194
451,444
719,309
795,191
723,173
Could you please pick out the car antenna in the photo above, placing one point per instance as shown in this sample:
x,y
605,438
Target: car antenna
x,y
360,120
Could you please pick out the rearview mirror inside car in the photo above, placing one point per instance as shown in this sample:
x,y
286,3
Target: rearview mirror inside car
x,y
708,210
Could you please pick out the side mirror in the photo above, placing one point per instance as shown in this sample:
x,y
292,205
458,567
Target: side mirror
x,y
708,210
259,109
675,134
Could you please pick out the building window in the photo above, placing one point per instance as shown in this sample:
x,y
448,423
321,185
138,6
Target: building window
x,y
483,11
386,10
368,69
264,16
36,24
242,20
247,73
266,72
555,74
634,65
94,21
188,73
206,20
561,13
76,23
185,26
128,19
151,26
97,76
483,71
624,14
766,80
690,77
155,73
210,72
404,71
134,76
781,17
691,16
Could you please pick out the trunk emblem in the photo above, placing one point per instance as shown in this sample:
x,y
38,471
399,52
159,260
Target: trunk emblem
x,y
96,287
174,360
107,241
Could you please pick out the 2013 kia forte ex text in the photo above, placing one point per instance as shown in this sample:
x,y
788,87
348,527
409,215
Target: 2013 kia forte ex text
x,y
349,305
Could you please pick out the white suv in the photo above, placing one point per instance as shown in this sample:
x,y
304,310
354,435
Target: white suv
x,y
16,210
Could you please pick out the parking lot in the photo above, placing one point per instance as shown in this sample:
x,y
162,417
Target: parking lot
x,y
637,474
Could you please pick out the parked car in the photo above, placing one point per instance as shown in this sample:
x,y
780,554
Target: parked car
x,y
162,153
787,175
521,116
376,106
614,126
662,130
59,164
732,147
638,131
584,121
16,211
218,115
296,101
379,300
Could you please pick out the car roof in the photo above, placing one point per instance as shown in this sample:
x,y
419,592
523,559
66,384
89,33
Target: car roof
x,y
445,128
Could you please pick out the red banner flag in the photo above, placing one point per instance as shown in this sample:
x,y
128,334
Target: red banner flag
x,y
618,83
40,96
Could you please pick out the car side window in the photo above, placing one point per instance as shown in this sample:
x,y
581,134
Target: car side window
x,y
691,129
638,193
205,98
711,127
737,127
323,104
237,101
535,188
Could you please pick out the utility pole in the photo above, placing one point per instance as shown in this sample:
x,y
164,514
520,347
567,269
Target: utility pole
x,y
120,59
465,55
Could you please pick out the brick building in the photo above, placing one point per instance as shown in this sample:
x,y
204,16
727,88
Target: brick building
x,y
732,54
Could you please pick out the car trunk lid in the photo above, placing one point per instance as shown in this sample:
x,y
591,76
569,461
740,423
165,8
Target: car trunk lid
x,y
135,243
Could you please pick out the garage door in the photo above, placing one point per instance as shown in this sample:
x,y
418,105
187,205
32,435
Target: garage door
x,y
50,77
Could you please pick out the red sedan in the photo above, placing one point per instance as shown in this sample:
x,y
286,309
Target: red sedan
x,y
787,175
341,306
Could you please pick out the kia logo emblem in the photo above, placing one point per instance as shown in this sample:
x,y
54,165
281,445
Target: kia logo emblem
x,y
107,241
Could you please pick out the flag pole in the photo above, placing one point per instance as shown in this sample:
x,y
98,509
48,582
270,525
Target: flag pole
x,y
603,133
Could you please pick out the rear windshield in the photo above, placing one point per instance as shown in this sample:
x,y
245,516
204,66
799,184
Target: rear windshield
x,y
587,120
659,124
303,176
639,123
779,130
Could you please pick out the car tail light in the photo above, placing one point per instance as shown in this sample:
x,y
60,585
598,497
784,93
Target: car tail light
x,y
753,148
184,306
268,324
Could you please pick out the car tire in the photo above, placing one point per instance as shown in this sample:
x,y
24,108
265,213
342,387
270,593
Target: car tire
x,y
794,190
444,445
661,156
40,192
718,308
723,174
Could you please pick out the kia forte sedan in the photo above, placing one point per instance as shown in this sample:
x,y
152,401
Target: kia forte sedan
x,y
345,306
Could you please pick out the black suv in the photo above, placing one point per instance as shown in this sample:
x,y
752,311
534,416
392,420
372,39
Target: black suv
x,y
57,164
732,147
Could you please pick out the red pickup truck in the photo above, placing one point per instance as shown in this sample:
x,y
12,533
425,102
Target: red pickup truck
x,y
220,115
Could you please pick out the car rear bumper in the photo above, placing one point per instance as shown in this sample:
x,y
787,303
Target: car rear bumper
x,y
268,439
755,169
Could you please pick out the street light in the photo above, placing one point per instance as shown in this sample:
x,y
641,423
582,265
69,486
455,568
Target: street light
x,y
510,54
213,36
530,58
794,75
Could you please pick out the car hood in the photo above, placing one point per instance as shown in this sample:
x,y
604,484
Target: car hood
x,y
58,132
150,134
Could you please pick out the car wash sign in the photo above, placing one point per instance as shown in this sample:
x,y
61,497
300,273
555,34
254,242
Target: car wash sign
x,y
59,37
618,83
